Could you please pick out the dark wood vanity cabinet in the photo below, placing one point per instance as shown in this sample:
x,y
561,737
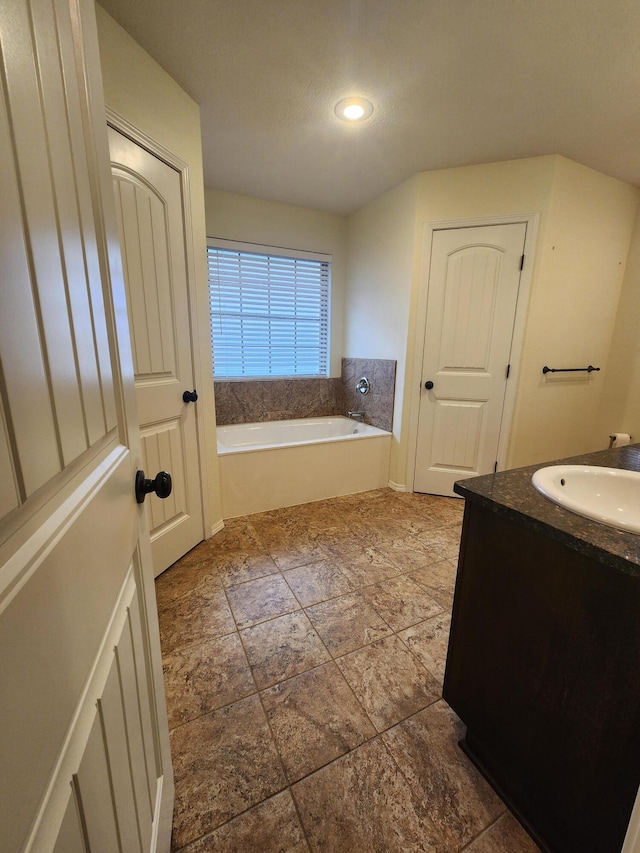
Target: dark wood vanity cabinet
x,y
544,670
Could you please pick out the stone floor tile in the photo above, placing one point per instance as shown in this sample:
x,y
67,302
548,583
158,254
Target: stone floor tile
x,y
321,515
378,530
282,648
195,618
224,763
459,801
298,554
401,602
406,553
391,507
360,804
315,718
449,510
347,623
238,534
360,501
337,537
415,524
199,679
439,581
269,529
291,527
271,827
200,553
389,681
261,599
438,509
443,543
186,579
317,582
429,641
363,565
238,567
505,836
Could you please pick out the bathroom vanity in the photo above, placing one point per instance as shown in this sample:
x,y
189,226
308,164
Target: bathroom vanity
x,y
544,658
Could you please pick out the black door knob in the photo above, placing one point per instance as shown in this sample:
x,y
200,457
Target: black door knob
x,y
190,396
428,385
161,485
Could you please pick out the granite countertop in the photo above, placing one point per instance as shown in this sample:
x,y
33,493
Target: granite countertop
x,y
512,495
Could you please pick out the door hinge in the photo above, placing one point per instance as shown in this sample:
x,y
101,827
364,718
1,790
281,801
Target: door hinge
x,y
522,263
508,371
495,467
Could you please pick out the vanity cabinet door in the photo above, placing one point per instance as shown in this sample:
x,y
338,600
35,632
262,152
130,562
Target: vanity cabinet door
x,y
543,668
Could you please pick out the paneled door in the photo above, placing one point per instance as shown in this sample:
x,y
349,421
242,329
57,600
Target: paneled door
x,y
84,745
149,207
473,292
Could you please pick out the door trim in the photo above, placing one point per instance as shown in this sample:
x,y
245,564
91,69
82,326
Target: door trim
x,y
419,327
205,423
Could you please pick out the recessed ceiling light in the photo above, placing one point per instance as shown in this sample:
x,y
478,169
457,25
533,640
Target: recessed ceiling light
x,y
354,109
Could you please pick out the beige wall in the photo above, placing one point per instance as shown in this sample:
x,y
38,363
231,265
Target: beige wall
x,y
620,410
584,231
572,310
382,258
253,220
138,90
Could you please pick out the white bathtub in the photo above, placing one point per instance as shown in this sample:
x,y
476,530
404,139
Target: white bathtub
x,y
282,463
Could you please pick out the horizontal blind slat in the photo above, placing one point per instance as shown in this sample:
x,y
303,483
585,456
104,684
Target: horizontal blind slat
x,y
269,314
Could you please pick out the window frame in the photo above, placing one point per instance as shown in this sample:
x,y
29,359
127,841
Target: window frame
x,y
276,252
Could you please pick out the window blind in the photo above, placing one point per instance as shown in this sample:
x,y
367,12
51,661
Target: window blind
x,y
269,313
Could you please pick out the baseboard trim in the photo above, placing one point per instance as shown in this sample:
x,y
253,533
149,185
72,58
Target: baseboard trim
x,y
216,528
397,487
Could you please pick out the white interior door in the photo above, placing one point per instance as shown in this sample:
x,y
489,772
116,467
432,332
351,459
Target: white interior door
x,y
149,208
83,731
473,291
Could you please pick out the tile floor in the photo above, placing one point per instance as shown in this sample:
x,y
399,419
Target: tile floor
x,y
304,653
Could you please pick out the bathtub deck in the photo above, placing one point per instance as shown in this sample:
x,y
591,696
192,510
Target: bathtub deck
x,y
303,652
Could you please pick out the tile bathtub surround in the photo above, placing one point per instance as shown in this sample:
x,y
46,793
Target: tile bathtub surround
x,y
259,400
303,667
378,403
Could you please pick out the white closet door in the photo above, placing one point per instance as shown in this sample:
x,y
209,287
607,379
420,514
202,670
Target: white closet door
x,y
473,292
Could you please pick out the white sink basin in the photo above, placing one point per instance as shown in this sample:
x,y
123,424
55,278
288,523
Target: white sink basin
x,y
608,495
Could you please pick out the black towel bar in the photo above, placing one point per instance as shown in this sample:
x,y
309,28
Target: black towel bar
x,y
589,369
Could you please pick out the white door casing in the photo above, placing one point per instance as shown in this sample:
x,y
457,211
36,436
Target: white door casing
x,y
152,228
84,743
472,297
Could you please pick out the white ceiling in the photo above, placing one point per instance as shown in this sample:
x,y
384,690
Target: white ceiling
x,y
453,82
